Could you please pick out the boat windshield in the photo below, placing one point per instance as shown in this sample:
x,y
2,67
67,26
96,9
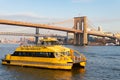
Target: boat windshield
x,y
66,53
59,54
49,43
76,53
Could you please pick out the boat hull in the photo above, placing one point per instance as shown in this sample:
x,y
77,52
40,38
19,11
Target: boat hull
x,y
80,64
67,66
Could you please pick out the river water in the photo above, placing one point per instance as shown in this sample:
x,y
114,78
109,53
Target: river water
x,y
103,63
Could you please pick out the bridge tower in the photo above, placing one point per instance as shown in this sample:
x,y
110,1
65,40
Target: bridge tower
x,y
99,29
80,23
36,37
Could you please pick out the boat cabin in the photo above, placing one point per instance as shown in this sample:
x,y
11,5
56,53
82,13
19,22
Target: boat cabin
x,y
49,41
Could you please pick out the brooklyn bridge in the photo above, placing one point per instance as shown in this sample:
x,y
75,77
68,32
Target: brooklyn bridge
x,y
81,29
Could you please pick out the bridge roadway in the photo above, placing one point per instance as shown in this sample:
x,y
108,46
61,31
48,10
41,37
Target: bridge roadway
x,y
45,26
101,34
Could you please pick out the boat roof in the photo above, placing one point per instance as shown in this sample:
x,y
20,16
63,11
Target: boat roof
x,y
49,39
55,48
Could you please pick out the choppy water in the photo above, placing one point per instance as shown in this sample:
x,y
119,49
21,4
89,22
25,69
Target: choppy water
x,y
103,63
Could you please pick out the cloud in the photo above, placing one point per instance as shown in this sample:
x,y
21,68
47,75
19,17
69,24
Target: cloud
x,y
107,20
32,17
28,17
30,14
84,1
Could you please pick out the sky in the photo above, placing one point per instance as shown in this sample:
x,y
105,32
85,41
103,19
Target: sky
x,y
104,13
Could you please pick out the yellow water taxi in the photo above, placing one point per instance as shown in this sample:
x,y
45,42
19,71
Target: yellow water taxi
x,y
47,54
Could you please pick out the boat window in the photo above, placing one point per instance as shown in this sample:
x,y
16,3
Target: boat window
x,y
34,54
37,54
54,42
14,54
66,53
63,53
51,55
49,43
57,55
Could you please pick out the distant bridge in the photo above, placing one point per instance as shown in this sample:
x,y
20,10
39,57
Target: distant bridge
x,y
30,34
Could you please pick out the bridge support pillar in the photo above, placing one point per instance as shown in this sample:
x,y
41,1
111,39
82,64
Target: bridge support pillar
x,y
67,37
117,42
76,39
85,34
80,23
36,37
103,41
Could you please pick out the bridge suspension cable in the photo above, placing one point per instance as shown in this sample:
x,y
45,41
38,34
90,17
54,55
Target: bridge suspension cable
x,y
91,25
61,22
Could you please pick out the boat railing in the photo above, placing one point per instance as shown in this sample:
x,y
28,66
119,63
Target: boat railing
x,y
80,58
76,59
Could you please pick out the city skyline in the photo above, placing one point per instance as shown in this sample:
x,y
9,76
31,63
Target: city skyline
x,y
101,13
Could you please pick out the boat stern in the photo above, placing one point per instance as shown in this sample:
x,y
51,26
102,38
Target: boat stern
x,y
79,59
82,64
6,60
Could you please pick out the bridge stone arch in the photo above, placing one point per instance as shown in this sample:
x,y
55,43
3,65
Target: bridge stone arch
x,y
80,23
